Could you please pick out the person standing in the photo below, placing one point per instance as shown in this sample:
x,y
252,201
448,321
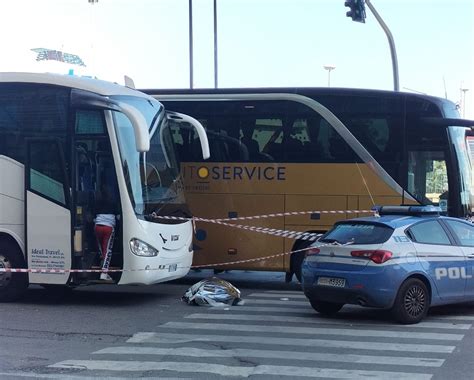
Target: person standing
x,y
104,228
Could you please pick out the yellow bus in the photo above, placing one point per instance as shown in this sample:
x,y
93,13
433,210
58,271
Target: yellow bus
x,y
279,150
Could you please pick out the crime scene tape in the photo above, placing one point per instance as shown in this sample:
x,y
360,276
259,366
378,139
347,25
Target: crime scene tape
x,y
310,236
266,257
255,217
307,236
162,267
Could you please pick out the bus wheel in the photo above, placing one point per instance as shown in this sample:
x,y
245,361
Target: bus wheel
x,y
412,302
326,308
12,285
297,258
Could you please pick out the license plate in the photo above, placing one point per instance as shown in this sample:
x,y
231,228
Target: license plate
x,y
173,267
332,281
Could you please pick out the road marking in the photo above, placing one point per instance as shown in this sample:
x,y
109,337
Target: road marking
x,y
297,294
63,376
152,337
275,302
269,354
316,320
286,292
225,370
455,317
270,309
254,301
279,295
312,331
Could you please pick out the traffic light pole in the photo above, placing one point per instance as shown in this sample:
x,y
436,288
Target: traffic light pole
x,y
396,85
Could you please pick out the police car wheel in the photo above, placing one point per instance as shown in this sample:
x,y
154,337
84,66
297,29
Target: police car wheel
x,y
412,302
12,285
326,308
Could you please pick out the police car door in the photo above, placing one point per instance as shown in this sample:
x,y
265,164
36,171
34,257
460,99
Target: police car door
x,y
464,235
444,262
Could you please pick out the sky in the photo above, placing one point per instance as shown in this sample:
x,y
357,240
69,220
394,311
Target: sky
x,y
261,43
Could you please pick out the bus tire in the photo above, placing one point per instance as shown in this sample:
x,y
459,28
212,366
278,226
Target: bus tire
x,y
326,308
12,285
412,302
297,258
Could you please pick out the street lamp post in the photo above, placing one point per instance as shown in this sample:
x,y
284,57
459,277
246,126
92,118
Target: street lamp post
x,y
329,68
215,45
464,90
191,43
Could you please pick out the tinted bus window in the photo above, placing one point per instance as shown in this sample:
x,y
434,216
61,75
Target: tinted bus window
x,y
376,121
29,111
260,131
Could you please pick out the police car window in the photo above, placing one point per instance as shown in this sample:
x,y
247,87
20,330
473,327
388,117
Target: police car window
x,y
429,233
358,233
464,232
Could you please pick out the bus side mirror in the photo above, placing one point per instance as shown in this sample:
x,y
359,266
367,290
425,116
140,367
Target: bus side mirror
x,y
181,118
90,100
142,136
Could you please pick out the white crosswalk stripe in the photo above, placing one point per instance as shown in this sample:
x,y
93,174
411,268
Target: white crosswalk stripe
x,y
278,295
151,337
275,302
241,371
313,331
311,319
278,334
249,353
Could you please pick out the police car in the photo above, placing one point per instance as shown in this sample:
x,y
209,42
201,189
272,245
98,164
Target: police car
x,y
406,259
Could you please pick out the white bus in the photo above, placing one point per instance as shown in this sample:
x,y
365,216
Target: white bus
x,y
61,139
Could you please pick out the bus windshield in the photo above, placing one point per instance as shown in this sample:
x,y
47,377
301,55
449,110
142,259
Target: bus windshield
x,y
152,178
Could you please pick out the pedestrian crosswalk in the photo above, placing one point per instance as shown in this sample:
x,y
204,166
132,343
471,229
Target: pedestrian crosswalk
x,y
277,334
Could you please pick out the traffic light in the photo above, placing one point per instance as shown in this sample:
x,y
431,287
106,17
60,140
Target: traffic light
x,y
357,10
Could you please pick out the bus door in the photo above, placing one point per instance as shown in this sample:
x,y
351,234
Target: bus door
x,y
47,212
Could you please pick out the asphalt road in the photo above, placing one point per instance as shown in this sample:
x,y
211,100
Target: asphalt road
x,y
110,332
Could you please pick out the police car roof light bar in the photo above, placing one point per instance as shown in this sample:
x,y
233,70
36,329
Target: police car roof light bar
x,y
428,210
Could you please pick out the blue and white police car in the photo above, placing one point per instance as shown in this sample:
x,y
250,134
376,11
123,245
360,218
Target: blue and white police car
x,y
406,259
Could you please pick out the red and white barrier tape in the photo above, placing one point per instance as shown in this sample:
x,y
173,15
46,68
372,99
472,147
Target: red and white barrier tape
x,y
62,271
274,215
307,236
296,213
161,267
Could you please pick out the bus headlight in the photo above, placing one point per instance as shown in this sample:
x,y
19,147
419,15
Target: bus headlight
x,y
141,248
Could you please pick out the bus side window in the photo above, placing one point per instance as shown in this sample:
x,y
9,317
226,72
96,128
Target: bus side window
x,y
335,148
313,147
186,142
247,131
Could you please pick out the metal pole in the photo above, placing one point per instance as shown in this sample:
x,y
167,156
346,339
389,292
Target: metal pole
x,y
190,44
464,90
329,68
215,44
396,85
